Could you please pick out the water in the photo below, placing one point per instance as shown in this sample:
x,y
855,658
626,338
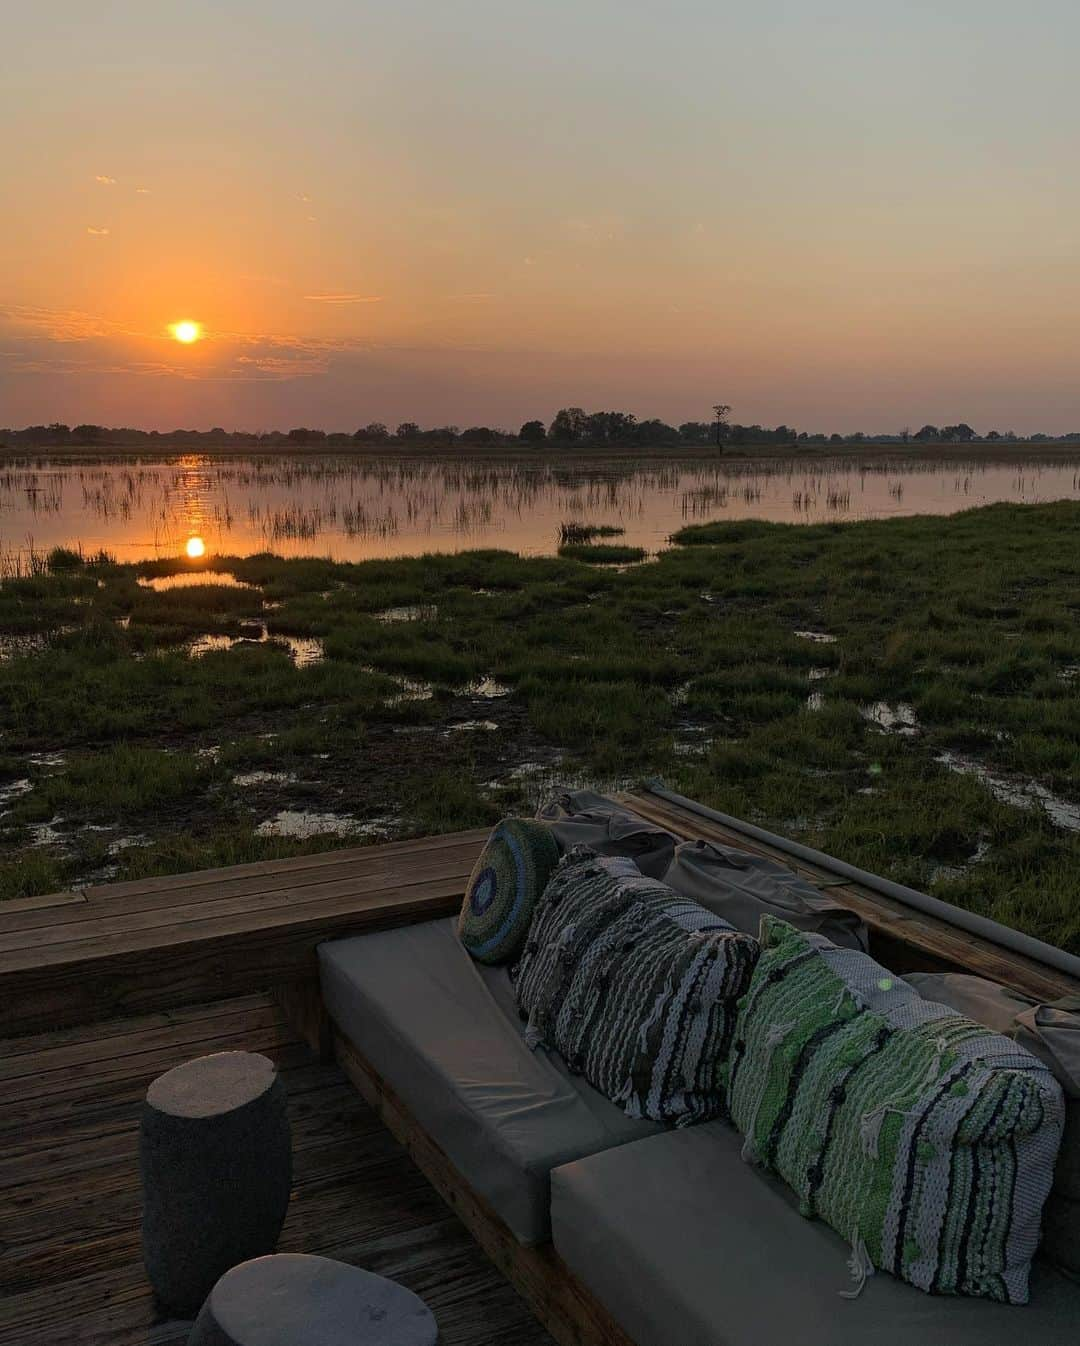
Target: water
x,y
353,507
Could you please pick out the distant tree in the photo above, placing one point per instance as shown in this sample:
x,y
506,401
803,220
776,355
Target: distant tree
x,y
88,434
1039,438
532,432
993,434
927,434
302,435
655,432
784,435
610,427
59,431
375,433
407,430
834,438
857,437
957,434
721,412
696,432
569,425
479,435
905,434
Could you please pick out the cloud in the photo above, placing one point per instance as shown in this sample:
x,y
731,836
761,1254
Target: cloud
x,y
344,298
302,196
96,232
467,298
142,191
105,181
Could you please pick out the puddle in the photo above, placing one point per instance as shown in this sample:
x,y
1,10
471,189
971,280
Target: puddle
x,y
301,825
248,778
1070,673
488,726
1025,794
18,647
417,612
815,701
692,740
898,719
304,651
487,688
190,579
45,834
211,754
47,759
14,789
819,637
816,674
126,843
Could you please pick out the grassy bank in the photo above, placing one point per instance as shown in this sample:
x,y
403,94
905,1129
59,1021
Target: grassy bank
x,y
896,692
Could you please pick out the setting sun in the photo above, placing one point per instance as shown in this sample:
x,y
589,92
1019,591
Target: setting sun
x,y
186,331
195,548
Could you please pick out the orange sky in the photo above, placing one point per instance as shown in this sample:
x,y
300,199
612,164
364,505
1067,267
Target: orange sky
x,y
835,215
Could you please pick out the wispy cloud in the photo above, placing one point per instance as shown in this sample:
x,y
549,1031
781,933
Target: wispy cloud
x,y
344,298
105,180
142,191
467,298
95,231
302,196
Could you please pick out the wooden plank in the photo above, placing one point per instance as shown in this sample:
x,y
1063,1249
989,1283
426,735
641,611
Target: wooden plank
x,y
302,1004
136,976
47,902
919,939
357,855
174,916
568,1310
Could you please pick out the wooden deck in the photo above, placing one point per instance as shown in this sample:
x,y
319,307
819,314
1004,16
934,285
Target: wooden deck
x,y
70,1263
103,989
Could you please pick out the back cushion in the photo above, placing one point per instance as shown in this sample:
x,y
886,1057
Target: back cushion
x,y
742,887
1052,1033
585,818
635,986
922,1137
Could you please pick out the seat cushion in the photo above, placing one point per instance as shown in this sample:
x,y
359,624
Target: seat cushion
x,y
443,1031
688,1246
742,887
509,875
635,986
924,1138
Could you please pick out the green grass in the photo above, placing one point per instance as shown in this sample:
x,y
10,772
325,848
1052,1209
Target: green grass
x,y
601,553
688,668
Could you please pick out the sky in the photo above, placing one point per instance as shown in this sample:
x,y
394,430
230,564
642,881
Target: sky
x,y
835,214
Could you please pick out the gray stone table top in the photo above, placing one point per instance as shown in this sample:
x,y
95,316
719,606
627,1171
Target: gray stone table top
x,y
291,1299
211,1085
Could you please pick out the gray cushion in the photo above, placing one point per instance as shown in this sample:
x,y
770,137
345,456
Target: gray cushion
x,y
1052,1033
585,818
742,887
688,1246
444,1032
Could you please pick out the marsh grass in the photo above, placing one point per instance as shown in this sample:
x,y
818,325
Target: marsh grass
x,y
601,553
587,532
971,620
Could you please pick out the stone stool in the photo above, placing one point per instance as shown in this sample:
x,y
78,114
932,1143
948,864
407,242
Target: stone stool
x,y
216,1163
294,1300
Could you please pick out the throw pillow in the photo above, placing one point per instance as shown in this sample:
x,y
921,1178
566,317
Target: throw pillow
x,y
922,1137
635,986
508,878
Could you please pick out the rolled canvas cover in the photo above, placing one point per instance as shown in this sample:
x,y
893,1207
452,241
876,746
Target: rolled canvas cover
x,y
585,818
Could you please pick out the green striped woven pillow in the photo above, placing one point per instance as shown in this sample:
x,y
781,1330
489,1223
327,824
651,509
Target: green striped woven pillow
x,y
922,1137
635,986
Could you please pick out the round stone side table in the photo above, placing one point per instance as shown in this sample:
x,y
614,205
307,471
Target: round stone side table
x,y
215,1159
295,1300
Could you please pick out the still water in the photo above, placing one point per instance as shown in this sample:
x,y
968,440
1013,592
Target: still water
x,y
353,508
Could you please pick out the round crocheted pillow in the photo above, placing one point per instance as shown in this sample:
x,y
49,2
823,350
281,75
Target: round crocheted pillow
x,y
504,887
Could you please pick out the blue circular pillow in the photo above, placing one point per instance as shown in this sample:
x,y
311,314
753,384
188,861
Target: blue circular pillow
x,y
504,887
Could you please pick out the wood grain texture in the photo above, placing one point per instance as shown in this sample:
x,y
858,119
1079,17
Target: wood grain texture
x,y
569,1311
70,1263
904,939
134,948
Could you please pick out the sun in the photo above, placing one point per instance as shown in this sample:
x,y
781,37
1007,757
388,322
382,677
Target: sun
x,y
186,332
195,548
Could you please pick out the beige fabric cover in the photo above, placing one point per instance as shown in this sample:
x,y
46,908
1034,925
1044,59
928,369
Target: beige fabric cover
x,y
689,1246
1052,1033
585,818
742,887
444,1032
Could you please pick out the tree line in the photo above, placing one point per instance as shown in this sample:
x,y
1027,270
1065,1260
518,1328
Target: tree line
x,y
570,426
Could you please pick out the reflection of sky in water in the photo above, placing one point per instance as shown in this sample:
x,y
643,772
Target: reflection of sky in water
x,y
351,508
